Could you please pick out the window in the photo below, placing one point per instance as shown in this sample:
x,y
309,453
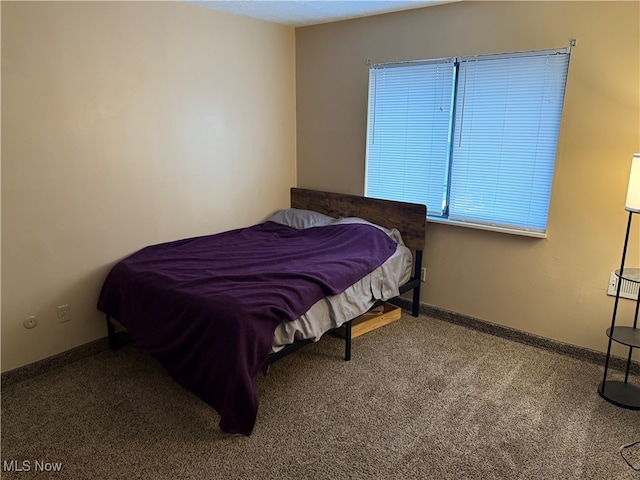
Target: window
x,y
473,138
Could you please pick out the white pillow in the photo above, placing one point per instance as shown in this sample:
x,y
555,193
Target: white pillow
x,y
393,233
298,218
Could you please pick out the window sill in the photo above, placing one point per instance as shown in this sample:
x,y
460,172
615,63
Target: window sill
x,y
491,228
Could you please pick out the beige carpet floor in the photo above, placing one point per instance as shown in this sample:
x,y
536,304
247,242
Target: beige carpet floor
x,y
421,398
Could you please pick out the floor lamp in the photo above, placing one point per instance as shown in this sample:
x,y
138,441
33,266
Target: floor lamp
x,y
617,392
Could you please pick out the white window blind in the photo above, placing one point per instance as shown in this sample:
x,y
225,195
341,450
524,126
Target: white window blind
x,y
408,132
473,138
507,120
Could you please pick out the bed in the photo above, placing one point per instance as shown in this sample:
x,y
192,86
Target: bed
x,y
217,309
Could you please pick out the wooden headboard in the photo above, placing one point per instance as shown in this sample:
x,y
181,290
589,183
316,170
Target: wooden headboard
x,y
409,219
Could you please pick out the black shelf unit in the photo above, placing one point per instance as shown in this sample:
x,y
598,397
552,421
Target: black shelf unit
x,y
623,393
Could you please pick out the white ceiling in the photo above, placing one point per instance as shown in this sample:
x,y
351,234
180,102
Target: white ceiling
x,y
311,12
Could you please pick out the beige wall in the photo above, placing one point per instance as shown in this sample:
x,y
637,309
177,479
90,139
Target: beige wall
x,y
123,125
553,287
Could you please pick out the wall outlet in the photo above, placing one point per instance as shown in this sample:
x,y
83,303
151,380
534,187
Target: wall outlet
x,y
423,274
30,322
64,313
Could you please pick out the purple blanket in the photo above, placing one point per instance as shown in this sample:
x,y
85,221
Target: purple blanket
x,y
206,308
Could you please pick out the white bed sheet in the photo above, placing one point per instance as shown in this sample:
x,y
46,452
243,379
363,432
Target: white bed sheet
x,y
332,311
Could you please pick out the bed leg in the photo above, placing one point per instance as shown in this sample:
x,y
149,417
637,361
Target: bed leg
x,y
417,273
111,331
347,341
415,307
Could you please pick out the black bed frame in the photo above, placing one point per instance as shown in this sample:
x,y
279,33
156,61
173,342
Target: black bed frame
x,y
412,284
